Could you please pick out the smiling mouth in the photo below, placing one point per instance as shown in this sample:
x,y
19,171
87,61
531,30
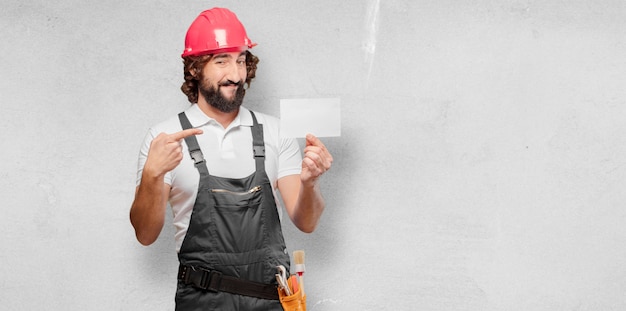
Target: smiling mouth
x,y
230,83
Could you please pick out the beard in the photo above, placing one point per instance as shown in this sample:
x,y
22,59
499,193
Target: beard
x,y
214,96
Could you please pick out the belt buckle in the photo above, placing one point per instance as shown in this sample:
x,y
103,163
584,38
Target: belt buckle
x,y
211,280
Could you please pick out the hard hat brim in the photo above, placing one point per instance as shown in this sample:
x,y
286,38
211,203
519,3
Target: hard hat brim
x,y
219,51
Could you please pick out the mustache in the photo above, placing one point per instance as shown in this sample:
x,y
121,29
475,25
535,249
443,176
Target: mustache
x,y
229,83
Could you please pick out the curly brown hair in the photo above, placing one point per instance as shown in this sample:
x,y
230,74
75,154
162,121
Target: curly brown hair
x,y
193,66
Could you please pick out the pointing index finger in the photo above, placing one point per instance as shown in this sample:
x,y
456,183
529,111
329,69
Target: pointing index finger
x,y
184,134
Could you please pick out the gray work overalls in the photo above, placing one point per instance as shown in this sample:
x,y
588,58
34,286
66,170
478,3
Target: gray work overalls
x,y
234,241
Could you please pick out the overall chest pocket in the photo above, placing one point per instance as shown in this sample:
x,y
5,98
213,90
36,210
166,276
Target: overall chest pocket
x,y
238,217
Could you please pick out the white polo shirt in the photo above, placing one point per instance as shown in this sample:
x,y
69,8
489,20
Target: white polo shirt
x,y
228,153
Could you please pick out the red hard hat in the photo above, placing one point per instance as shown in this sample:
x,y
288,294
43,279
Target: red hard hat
x,y
216,31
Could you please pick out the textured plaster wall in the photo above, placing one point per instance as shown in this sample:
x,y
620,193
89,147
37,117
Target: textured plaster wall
x,y
482,162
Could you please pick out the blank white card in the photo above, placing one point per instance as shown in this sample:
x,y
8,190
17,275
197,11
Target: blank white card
x,y
320,117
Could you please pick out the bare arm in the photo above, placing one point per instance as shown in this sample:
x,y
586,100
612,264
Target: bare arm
x,y
147,213
301,193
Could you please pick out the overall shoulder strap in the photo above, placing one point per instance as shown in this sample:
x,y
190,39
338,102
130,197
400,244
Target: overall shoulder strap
x,y
192,145
258,143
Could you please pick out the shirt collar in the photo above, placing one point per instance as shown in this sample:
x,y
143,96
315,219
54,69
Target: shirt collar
x,y
198,118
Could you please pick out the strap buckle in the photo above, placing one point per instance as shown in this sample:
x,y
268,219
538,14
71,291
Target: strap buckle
x,y
211,280
206,279
259,151
197,156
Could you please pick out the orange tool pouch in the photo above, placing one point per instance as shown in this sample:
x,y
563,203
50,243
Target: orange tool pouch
x,y
295,302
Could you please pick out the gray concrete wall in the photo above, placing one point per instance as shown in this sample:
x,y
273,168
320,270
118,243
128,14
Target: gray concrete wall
x,y
481,164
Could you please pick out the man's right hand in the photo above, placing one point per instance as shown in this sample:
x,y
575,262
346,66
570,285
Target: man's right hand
x,y
147,214
166,152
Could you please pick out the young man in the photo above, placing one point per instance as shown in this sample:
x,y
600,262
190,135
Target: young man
x,y
219,165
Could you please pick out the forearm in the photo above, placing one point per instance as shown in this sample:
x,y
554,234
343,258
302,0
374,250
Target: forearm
x,y
147,213
309,208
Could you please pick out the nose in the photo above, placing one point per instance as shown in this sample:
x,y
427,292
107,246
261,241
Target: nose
x,y
235,72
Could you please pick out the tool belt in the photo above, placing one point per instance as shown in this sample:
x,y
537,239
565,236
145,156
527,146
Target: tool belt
x,y
215,281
